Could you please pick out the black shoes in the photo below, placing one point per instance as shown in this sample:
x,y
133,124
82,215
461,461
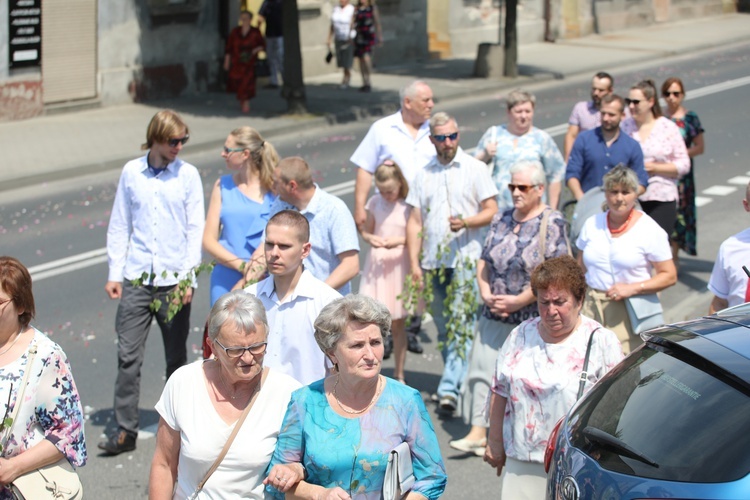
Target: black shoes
x,y
119,443
412,343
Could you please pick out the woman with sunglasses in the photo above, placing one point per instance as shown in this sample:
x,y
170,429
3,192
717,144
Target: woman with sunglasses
x,y
239,207
684,234
203,401
665,156
517,141
518,240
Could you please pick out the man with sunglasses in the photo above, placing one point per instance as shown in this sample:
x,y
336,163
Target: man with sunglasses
x,y
585,114
154,235
597,151
293,298
452,198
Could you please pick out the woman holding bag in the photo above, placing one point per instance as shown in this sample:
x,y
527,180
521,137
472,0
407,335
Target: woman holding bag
x,y
37,391
228,403
619,249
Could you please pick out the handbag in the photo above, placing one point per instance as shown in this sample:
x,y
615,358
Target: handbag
x,y
644,311
399,473
262,69
58,481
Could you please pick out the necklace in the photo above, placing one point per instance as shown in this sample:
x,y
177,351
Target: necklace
x,y
621,228
355,412
18,336
226,386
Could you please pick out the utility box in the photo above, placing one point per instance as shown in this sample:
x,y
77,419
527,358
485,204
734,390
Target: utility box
x,y
490,61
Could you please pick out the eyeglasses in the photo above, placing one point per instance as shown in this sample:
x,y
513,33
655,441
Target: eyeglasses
x,y
634,102
675,94
443,137
521,187
229,151
174,142
237,352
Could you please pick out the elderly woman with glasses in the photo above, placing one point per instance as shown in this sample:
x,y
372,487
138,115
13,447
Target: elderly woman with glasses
x,y
342,428
202,402
519,140
518,241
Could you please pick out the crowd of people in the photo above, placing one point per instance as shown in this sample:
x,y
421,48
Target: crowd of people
x,y
295,367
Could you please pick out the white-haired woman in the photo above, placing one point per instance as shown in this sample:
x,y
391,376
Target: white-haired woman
x,y
342,428
518,241
203,401
519,140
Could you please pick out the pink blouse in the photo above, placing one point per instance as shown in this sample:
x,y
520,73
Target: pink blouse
x,y
664,145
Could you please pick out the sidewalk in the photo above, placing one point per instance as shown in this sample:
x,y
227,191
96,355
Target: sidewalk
x,y
64,145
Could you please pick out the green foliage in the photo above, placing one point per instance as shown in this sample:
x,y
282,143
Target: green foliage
x,y
175,296
7,422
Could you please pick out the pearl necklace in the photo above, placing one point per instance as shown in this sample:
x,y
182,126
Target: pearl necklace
x,y
622,228
355,412
18,336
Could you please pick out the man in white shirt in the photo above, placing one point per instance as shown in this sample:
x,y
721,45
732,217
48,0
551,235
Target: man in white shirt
x,y
452,198
729,283
293,298
154,235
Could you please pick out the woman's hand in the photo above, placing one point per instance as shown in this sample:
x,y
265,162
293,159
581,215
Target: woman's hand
x,y
621,291
373,240
284,476
8,471
494,454
334,494
490,149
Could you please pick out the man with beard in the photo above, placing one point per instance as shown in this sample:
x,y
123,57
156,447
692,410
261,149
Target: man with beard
x,y
452,198
585,114
597,151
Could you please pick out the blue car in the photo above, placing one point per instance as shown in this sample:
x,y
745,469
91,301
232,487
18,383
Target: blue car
x,y
672,420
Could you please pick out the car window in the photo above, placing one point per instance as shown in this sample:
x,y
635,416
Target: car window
x,y
693,425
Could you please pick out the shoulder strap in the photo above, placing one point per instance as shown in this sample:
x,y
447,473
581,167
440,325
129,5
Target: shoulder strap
x,y
228,444
584,372
543,233
21,391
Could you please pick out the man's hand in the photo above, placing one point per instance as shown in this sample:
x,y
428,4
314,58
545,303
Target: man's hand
x,y
457,223
113,289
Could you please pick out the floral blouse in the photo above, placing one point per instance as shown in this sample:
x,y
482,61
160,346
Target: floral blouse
x,y
540,381
512,257
664,144
51,408
535,145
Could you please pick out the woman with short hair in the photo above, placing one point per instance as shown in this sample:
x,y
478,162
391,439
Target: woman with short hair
x,y
341,35
203,402
342,428
538,374
624,253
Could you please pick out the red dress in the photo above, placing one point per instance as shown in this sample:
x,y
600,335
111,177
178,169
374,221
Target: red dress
x,y
242,61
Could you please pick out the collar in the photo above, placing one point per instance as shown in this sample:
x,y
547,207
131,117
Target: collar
x,y
156,171
455,163
423,130
305,287
600,134
314,204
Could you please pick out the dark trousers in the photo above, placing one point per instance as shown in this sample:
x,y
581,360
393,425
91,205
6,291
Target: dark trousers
x,y
132,325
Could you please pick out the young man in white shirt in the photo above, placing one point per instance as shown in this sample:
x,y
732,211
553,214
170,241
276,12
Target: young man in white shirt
x,y
293,297
155,231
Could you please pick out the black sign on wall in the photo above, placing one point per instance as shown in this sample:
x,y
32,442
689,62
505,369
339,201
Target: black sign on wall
x,y
24,33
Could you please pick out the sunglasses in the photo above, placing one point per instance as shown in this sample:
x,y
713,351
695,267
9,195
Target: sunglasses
x,y
521,187
443,137
634,102
174,142
675,94
228,151
237,352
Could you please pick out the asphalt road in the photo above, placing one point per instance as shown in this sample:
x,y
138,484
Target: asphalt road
x,y
54,221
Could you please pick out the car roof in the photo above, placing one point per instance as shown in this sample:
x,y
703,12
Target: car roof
x,y
722,339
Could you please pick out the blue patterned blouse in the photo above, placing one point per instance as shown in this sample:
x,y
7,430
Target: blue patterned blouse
x,y
352,453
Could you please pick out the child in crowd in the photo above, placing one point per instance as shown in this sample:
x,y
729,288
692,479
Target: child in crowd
x,y
387,264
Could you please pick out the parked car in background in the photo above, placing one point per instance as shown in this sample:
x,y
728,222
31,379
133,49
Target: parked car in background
x,y
672,420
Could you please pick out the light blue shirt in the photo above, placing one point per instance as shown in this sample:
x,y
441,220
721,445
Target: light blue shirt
x,y
332,232
156,224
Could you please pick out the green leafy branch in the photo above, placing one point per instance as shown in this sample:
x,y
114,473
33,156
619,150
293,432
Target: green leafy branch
x,y
7,422
175,296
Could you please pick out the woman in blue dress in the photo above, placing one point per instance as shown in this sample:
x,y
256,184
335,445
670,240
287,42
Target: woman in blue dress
x,y
341,429
239,207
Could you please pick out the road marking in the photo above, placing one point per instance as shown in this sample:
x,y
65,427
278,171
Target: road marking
x,y
719,190
740,180
94,257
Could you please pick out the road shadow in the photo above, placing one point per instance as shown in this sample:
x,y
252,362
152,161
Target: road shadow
x,y
690,268
105,420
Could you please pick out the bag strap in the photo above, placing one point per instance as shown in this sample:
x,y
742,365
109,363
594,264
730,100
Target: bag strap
x,y
543,232
21,391
584,372
228,444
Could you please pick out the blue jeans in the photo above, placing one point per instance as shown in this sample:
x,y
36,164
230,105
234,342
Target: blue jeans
x,y
455,368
